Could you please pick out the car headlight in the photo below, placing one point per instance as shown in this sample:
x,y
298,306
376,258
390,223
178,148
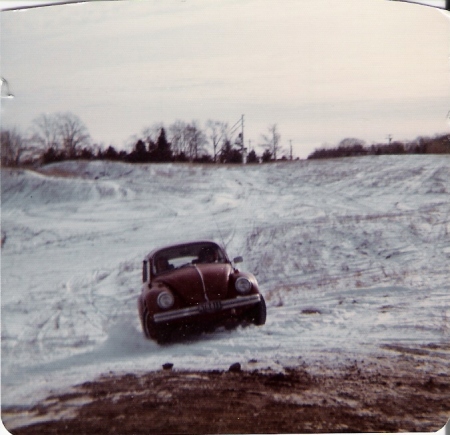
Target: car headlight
x,y
165,300
243,285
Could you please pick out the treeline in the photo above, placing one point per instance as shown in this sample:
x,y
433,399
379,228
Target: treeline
x,y
63,136
439,144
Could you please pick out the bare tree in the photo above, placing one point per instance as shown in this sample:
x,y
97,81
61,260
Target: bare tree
x,y
351,142
196,140
217,133
72,132
271,141
187,139
13,146
178,138
46,131
61,131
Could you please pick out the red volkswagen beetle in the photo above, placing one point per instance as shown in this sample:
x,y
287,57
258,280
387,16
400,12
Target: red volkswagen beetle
x,y
195,286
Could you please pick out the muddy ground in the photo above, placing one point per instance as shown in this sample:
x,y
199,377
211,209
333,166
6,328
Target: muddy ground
x,y
407,391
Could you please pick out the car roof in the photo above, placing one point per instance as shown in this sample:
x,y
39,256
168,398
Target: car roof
x,y
173,245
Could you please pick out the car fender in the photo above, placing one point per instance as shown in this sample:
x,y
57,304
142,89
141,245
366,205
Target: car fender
x,y
150,295
237,274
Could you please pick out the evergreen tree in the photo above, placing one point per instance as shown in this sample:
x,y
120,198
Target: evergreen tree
x,y
252,157
162,152
228,154
111,153
267,156
139,154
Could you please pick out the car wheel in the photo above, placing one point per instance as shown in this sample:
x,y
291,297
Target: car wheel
x,y
145,324
258,313
161,334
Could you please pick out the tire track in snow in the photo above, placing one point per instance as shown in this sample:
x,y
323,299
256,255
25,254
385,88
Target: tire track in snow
x,y
320,257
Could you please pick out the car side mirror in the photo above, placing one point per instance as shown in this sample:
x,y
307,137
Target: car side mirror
x,y
238,259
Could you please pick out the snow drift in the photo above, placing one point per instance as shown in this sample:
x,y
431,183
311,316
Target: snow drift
x,y
351,255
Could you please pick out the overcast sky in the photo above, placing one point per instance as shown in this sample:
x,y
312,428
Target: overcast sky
x,y
322,70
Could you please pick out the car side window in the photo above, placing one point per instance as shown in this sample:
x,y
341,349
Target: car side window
x,y
162,264
144,271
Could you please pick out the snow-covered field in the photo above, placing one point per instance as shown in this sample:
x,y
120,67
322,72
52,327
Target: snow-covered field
x,y
352,255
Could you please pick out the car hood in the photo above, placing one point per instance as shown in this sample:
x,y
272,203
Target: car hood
x,y
199,282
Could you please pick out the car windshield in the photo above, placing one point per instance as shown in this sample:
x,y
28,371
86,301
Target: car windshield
x,y
176,257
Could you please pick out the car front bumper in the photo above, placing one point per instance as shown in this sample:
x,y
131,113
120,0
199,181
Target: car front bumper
x,y
208,307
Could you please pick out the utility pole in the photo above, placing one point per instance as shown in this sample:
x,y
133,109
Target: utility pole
x,y
290,149
242,129
242,139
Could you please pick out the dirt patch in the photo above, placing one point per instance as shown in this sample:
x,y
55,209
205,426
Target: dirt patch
x,y
381,395
311,311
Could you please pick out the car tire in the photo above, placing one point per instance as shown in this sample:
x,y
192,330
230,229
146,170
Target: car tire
x,y
145,324
161,334
259,312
